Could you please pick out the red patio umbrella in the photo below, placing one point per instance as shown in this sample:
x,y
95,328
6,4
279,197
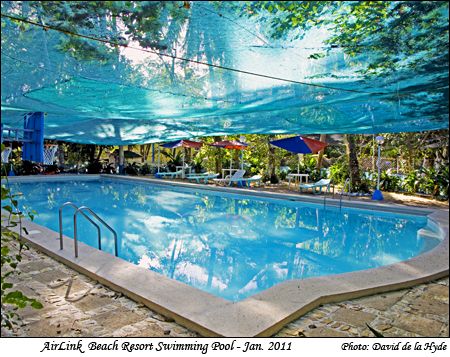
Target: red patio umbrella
x,y
230,144
181,143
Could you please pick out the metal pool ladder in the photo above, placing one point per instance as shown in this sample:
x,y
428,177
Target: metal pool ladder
x,y
75,236
347,183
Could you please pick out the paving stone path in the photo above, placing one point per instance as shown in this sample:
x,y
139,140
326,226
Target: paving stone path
x,y
89,309
421,311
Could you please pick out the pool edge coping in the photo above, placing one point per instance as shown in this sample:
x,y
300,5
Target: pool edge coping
x,y
259,315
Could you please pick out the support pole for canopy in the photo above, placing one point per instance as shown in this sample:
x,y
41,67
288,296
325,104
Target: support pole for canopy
x,y
298,164
153,153
242,139
121,160
159,157
242,160
182,169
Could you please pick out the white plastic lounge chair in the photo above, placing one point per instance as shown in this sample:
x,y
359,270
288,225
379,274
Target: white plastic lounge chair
x,y
254,178
202,177
198,174
237,177
319,184
169,174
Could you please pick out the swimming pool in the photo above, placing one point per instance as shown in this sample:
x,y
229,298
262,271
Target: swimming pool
x,y
230,245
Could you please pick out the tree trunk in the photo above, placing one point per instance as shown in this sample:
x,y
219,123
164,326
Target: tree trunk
x,y
91,152
323,138
100,151
145,151
410,148
142,152
189,155
352,158
271,160
218,157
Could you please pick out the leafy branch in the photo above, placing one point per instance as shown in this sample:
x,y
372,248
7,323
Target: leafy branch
x,y
11,255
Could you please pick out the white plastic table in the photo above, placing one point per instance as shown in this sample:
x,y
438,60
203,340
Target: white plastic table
x,y
295,177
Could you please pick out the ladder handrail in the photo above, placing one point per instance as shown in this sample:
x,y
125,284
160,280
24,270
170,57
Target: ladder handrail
x,y
347,182
85,215
85,208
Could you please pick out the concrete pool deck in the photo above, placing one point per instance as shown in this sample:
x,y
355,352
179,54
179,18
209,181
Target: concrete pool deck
x,y
262,314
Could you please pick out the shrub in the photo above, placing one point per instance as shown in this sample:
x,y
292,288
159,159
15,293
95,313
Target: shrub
x,y
389,182
197,164
339,172
94,167
11,299
145,169
282,175
174,160
441,180
411,182
132,169
26,167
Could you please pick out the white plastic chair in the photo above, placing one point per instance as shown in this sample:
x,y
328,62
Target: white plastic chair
x,y
237,177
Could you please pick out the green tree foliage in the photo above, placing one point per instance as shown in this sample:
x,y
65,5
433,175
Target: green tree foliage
x,y
422,158
120,22
174,159
11,256
382,38
391,35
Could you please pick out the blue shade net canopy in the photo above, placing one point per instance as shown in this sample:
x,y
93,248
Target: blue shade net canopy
x,y
211,71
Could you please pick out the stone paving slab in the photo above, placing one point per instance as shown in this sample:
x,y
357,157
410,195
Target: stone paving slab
x,y
430,306
35,266
421,311
352,317
324,331
418,324
117,317
436,292
382,302
416,312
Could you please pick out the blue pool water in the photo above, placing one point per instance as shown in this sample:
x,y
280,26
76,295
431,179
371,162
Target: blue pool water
x,y
230,245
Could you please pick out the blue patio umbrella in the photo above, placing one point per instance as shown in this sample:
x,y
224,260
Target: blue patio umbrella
x,y
300,145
